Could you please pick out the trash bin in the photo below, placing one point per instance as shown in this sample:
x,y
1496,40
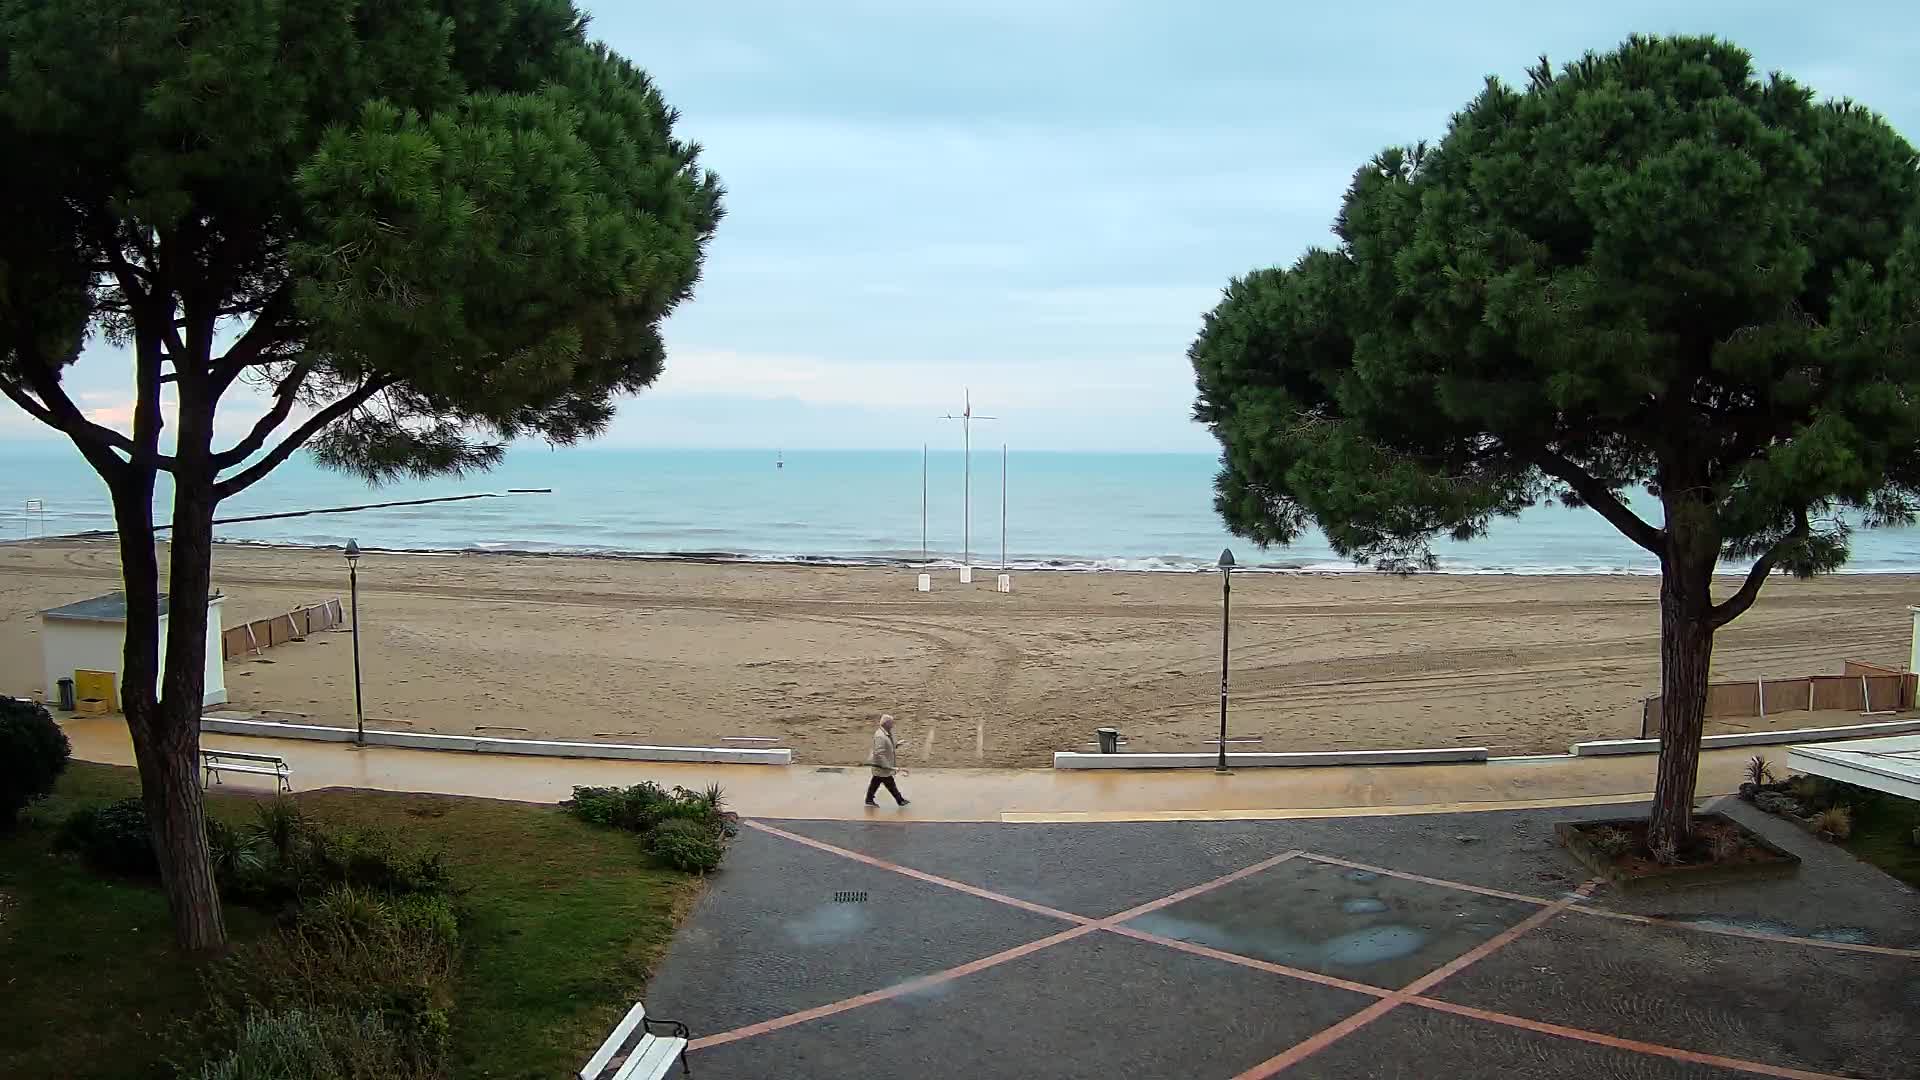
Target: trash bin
x,y
66,695
1109,739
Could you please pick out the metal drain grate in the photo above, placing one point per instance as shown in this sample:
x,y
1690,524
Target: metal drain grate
x,y
850,897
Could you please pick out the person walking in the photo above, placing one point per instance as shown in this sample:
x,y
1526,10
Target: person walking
x,y
884,760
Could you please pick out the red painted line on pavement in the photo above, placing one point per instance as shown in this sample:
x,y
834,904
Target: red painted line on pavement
x,y
921,875
1424,880
1086,926
1649,920
1203,887
1248,961
1752,935
898,990
1313,1044
1614,1041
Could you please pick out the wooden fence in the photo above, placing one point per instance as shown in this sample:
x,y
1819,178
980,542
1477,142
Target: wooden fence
x,y
262,634
1862,688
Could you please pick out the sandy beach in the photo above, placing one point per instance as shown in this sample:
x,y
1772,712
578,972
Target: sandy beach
x,y
675,652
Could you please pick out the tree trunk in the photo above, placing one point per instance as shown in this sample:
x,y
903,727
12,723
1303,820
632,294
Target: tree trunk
x,y
175,805
1686,659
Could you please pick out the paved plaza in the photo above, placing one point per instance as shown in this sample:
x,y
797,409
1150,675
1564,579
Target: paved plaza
x,y
1379,947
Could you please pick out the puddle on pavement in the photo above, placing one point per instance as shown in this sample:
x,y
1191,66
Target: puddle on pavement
x,y
1351,923
1846,935
828,924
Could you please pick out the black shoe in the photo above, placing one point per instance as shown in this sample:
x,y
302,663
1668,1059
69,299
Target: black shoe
x,y
873,804
904,802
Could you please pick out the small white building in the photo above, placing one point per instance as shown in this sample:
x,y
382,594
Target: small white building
x,y
91,636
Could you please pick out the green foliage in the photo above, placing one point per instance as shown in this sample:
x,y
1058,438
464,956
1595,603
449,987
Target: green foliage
x,y
681,828
686,844
302,1044
1651,269
1759,770
634,809
113,838
376,859
1812,792
467,210
33,754
279,824
356,952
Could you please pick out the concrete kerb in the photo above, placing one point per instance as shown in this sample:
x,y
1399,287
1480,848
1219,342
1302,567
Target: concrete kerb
x,y
272,729
1438,755
1615,747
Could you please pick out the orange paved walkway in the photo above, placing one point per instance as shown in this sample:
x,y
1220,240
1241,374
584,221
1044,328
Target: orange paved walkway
x,y
1041,794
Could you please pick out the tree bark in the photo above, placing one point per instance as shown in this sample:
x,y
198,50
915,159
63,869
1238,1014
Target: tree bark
x,y
1686,660
175,806
1686,657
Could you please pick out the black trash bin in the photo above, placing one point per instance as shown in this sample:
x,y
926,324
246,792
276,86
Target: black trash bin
x,y
1109,739
66,695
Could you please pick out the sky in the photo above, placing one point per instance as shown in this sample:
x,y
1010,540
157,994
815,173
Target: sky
x,y
1038,200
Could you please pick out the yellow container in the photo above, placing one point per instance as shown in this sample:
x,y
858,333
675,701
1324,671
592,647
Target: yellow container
x,y
98,685
91,706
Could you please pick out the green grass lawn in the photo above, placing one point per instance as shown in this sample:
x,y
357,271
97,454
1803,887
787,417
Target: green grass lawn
x,y
561,924
1883,832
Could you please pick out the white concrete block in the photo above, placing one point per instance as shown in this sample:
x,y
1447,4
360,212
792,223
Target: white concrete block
x,y
1003,583
1615,747
924,583
1254,759
966,575
417,740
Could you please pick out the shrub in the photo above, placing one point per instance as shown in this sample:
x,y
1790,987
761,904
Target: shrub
x,y
371,859
279,824
1809,791
1611,840
234,853
686,844
635,809
33,754
1759,771
113,838
301,1044
351,950
1834,823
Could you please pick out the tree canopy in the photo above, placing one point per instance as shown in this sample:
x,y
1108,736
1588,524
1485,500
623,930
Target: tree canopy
x,y
422,228
1650,269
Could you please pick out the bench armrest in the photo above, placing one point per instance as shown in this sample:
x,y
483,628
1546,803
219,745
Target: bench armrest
x,y
675,1028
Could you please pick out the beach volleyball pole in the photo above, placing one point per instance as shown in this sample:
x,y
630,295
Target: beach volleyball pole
x,y
966,419
923,502
1226,606
1003,506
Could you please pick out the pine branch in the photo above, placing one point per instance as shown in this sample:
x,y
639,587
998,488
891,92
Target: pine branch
x,y
1596,495
284,398
1734,606
245,479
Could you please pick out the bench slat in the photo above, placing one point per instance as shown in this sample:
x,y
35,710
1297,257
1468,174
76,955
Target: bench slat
x,y
621,1032
238,755
262,770
652,1059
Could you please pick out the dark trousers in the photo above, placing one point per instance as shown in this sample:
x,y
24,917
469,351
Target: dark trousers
x,y
879,782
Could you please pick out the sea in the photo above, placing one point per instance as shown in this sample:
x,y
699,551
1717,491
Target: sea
x,y
1069,511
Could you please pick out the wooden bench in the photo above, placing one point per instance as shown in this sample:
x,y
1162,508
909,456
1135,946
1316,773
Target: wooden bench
x,y
634,1052
215,762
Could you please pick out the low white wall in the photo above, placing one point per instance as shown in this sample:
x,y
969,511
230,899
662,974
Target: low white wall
x,y
416,740
1076,760
1612,747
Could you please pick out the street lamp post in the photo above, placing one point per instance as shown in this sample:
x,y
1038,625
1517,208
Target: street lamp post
x,y
353,588
1226,603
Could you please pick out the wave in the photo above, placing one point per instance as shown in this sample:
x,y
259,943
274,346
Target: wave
x,y
898,559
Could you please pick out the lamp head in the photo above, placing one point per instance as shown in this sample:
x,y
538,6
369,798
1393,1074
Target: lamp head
x,y
353,552
1226,558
